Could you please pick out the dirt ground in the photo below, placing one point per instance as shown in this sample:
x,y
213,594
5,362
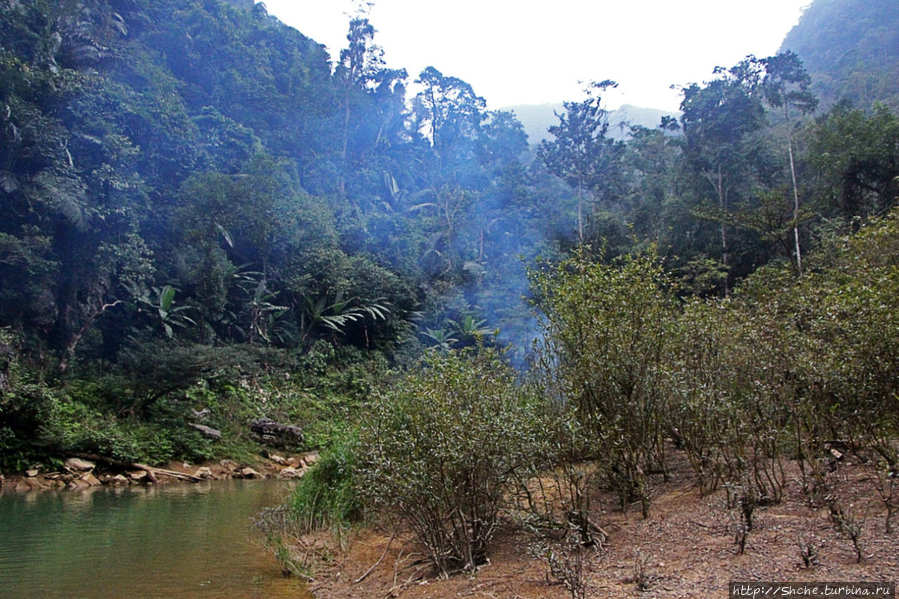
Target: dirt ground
x,y
684,549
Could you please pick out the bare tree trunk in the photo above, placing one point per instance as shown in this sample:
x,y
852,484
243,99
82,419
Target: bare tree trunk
x,y
76,337
795,191
580,215
795,209
722,203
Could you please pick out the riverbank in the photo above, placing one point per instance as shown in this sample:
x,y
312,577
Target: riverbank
x,y
686,549
86,472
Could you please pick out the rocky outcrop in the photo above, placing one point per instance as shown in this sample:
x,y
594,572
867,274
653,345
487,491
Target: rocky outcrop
x,y
276,434
290,472
138,476
248,472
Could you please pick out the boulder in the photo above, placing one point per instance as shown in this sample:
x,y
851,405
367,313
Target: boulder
x,y
279,460
290,472
276,434
91,480
229,465
32,473
30,484
138,475
309,459
204,472
118,479
79,465
207,431
250,473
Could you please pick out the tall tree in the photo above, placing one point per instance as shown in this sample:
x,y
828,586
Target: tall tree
x,y
582,153
369,93
448,114
716,119
856,156
786,86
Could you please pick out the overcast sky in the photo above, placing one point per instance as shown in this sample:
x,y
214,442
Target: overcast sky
x,y
515,52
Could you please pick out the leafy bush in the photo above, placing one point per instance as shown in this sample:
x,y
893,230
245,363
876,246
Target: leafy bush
x,y
444,445
605,328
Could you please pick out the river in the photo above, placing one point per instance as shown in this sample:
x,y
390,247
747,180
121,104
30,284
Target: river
x,y
169,541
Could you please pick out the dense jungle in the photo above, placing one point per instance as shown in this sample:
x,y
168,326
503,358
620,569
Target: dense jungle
x,y
208,221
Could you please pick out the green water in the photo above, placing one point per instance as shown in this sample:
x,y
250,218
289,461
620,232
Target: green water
x,y
175,541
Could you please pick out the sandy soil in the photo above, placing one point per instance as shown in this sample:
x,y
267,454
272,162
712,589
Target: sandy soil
x,y
686,548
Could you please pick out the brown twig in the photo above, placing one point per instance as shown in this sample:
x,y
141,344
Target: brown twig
x,y
383,555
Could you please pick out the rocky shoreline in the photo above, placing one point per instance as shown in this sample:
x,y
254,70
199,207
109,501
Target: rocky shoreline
x,y
82,473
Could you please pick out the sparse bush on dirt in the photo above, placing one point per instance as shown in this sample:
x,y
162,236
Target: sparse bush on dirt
x,y
442,449
784,369
568,561
605,328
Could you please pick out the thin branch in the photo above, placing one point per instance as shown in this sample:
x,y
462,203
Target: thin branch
x,y
383,555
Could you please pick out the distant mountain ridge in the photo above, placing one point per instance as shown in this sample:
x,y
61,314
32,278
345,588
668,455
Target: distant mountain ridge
x,y
537,118
851,50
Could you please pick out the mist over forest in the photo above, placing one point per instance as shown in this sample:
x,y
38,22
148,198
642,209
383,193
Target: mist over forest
x,y
205,213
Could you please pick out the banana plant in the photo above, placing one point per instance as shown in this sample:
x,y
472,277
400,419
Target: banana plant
x,y
443,338
468,328
263,313
159,304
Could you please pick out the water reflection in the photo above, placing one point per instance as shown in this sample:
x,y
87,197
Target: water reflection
x,y
190,541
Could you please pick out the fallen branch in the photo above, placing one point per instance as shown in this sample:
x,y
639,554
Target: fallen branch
x,y
150,470
383,555
172,473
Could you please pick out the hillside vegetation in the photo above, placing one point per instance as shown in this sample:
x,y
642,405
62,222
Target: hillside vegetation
x,y
850,47
204,213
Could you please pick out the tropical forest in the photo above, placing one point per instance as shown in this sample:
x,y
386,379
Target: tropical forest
x,y
613,360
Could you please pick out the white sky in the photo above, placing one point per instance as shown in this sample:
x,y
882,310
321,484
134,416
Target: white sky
x,y
534,52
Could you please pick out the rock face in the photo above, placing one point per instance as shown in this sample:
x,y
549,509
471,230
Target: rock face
x,y
275,434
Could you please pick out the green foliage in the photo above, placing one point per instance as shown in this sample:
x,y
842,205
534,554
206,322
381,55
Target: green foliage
x,y
854,60
855,155
606,327
441,450
330,495
199,212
